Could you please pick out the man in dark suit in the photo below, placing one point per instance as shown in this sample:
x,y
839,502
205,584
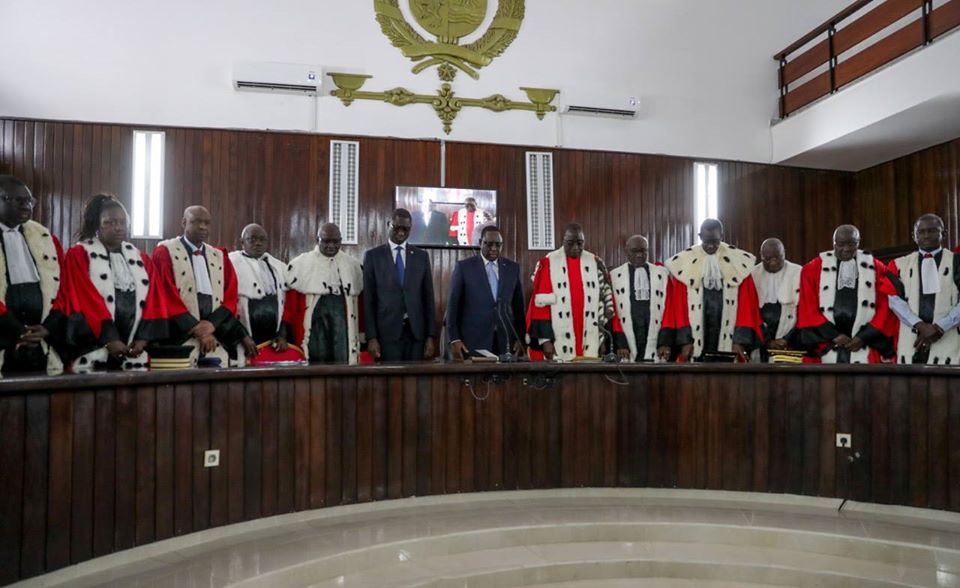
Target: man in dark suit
x,y
486,307
398,297
432,229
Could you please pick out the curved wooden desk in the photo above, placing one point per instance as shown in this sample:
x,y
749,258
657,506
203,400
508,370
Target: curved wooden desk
x,y
99,463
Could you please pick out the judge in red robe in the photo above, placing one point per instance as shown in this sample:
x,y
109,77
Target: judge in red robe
x,y
843,314
105,286
195,299
31,267
713,303
464,221
572,306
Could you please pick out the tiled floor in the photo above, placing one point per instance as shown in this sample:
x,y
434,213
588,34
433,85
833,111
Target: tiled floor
x,y
597,538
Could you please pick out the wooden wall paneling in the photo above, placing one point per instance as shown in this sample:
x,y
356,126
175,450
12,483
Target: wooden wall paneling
x,y
233,457
482,439
426,455
746,417
145,480
302,441
364,440
166,463
938,470
718,444
827,482
524,435
451,433
220,487
125,521
379,452
863,467
252,449
435,411
318,442
755,431
183,459
269,431
899,441
878,445
201,442
286,435
60,474
13,425
847,469
410,464
496,449
919,430
35,485
104,489
467,428
761,433
953,426
348,440
399,443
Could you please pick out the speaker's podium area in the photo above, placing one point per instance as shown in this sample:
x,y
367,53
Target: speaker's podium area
x,y
480,293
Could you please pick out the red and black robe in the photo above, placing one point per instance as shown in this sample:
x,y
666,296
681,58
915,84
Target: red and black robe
x,y
824,312
97,311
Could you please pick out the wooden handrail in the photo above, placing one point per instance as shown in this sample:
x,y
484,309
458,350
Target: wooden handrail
x,y
800,83
831,22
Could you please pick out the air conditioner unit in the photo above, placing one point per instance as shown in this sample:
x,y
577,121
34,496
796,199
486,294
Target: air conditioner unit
x,y
622,109
277,77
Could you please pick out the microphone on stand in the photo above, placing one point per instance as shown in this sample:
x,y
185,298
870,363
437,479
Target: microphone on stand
x,y
509,356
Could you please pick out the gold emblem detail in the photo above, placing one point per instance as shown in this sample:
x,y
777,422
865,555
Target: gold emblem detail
x,y
449,21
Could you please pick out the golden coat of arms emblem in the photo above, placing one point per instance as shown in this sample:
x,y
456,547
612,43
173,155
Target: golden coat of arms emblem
x,y
449,21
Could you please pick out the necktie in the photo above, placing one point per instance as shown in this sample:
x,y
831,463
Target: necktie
x,y
492,279
198,252
400,268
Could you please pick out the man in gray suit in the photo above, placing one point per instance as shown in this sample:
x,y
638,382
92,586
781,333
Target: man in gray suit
x,y
398,297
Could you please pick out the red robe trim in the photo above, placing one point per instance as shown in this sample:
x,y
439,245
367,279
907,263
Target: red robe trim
x,y
166,316
816,331
81,297
541,323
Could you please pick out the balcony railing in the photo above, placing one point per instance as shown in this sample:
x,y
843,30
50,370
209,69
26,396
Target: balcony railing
x,y
856,42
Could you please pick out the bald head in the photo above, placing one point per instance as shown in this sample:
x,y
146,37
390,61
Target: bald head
x,y
772,255
846,241
196,224
637,248
329,239
253,240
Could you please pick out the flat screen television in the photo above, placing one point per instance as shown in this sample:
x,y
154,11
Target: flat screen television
x,y
448,217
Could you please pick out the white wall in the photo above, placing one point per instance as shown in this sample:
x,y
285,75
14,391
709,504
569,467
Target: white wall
x,y
702,68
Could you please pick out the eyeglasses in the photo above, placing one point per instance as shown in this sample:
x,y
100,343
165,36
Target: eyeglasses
x,y
331,241
20,200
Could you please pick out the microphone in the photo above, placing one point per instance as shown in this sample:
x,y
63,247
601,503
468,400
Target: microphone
x,y
509,356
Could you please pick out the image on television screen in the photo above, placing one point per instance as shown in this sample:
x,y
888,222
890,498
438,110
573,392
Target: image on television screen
x,y
448,217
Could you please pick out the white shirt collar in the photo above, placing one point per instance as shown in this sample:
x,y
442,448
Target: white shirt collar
x,y
192,246
4,227
393,246
934,253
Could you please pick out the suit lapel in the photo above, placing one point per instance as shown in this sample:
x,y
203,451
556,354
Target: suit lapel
x,y
502,277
